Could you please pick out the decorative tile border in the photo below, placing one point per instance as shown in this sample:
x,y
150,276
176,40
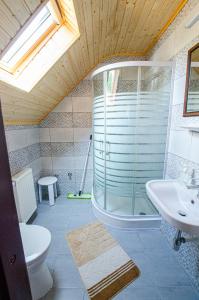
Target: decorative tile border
x,y
120,59
82,120
68,120
58,120
84,89
45,149
188,254
176,165
61,149
19,159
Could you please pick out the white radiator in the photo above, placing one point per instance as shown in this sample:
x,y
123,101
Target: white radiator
x,y
24,193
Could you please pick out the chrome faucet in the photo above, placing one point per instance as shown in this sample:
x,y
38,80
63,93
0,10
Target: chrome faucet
x,y
194,182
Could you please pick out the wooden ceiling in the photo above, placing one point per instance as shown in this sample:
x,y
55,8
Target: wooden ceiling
x,y
108,28
13,14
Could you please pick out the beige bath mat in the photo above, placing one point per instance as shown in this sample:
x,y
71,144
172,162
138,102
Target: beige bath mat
x,y
104,266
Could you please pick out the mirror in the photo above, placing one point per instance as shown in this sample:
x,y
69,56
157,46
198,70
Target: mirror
x,y
191,101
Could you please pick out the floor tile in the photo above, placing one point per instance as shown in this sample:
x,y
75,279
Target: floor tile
x,y
168,272
138,293
129,239
59,244
65,294
161,278
65,274
146,278
77,221
153,239
178,293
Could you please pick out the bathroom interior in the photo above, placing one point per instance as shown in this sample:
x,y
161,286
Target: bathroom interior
x,y
99,156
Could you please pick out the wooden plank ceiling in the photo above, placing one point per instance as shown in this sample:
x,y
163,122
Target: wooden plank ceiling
x,y
107,28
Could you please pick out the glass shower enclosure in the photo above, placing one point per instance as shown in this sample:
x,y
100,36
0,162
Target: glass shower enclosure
x,y
130,121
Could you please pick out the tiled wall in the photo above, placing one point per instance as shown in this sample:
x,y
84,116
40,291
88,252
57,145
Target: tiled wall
x,y
183,150
24,149
64,137
60,144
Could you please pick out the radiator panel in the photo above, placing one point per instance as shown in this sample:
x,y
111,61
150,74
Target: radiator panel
x,y
24,193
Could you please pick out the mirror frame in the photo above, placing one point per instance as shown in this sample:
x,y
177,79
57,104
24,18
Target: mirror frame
x,y
185,113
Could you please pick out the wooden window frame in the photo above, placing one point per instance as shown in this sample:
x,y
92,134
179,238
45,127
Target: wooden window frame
x,y
41,42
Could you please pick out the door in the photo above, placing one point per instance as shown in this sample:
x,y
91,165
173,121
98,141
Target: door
x,y
14,283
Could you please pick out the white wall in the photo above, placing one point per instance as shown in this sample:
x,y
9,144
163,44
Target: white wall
x,y
23,148
64,137
183,150
174,46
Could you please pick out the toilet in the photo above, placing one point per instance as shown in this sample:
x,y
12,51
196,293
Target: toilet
x,y
36,241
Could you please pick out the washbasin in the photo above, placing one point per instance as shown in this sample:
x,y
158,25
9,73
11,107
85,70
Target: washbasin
x,y
176,204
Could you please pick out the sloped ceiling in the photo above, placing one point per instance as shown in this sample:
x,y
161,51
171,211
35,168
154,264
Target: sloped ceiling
x,y
107,28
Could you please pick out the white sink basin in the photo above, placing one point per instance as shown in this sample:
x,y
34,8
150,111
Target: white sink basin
x,y
177,205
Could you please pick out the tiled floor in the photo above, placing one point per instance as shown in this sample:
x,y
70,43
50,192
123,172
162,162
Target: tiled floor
x,y
162,278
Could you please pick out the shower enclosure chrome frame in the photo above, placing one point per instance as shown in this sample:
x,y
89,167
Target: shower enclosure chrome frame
x,y
133,221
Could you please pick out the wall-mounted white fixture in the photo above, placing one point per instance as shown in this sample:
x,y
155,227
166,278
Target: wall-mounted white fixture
x,y
191,127
192,21
24,192
178,206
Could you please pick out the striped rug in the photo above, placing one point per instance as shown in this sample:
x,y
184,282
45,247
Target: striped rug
x,y
104,266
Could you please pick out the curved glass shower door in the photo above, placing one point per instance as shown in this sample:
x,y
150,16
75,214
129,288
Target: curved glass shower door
x,y
130,116
99,137
120,141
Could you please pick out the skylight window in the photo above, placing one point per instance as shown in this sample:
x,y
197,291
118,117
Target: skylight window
x,y
29,37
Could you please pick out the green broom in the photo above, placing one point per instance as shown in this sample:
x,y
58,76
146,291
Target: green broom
x,y
81,195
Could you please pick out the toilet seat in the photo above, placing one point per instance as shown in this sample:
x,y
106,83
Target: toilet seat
x,y
36,242
35,239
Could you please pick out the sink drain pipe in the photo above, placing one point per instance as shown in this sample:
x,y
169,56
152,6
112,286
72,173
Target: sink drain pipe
x,y
179,240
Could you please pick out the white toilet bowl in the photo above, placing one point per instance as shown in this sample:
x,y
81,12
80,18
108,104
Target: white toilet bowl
x,y
36,241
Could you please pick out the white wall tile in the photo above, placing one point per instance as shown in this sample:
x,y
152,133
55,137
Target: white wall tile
x,y
36,166
63,163
79,162
46,163
32,136
179,90
180,143
82,134
64,106
82,104
61,134
16,139
44,135
194,153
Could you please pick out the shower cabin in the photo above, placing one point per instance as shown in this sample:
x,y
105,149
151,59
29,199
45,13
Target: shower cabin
x,y
130,125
